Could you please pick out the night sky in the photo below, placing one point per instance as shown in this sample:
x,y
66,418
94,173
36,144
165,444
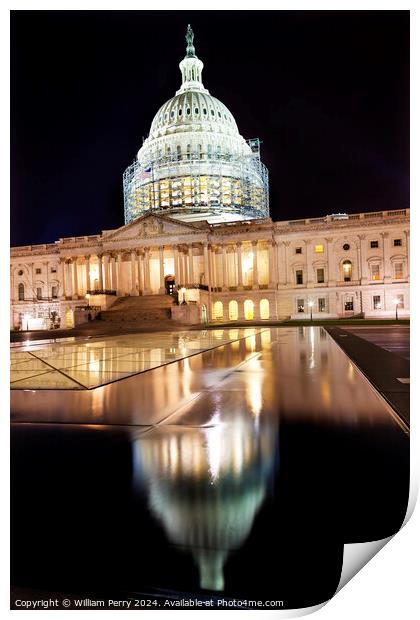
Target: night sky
x,y
326,91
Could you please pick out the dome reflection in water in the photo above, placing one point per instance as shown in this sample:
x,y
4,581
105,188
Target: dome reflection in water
x,y
206,486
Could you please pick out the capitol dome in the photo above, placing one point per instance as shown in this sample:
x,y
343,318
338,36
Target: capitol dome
x,y
194,164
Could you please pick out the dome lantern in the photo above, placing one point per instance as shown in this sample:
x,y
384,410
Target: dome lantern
x,y
191,67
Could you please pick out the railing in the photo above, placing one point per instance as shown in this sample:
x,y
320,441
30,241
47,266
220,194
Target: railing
x,y
101,292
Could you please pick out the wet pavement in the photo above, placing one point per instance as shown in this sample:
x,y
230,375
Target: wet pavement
x,y
238,472
395,339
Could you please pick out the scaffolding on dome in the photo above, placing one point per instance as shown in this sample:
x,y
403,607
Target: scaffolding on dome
x,y
196,185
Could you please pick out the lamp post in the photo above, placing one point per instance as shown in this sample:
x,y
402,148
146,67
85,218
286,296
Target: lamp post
x,y
27,317
311,303
396,302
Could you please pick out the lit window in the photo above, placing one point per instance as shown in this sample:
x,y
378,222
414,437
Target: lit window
x,y
54,292
319,248
264,309
298,250
322,306
374,244
398,270
397,242
320,276
400,299
300,305
375,272
348,305
347,271
299,276
377,304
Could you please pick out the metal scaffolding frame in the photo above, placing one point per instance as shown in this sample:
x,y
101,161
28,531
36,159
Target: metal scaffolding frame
x,y
196,185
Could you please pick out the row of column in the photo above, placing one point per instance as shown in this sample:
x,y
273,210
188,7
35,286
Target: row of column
x,y
110,269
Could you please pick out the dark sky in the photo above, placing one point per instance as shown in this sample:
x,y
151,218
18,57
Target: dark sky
x,y
326,91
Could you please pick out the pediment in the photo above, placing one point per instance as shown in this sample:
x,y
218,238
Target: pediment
x,y
149,226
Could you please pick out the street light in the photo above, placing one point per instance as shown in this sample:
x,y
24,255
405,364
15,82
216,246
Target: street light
x,y
396,302
311,303
27,317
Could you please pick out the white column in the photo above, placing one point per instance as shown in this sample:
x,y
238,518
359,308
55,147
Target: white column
x,y
46,265
386,257
309,270
407,245
331,266
62,279
255,278
133,273
100,274
141,270
214,266
113,268
119,274
224,269
272,277
146,271
69,278
286,245
87,274
185,266
73,268
161,271
106,272
239,254
191,278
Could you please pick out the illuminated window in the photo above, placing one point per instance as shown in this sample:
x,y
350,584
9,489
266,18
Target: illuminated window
x,y
347,271
218,311
322,306
397,242
400,299
264,309
319,248
320,278
375,272
54,292
300,305
377,304
348,305
299,276
374,244
21,292
249,309
233,310
398,267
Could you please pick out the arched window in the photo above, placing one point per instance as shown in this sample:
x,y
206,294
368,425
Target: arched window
x,y
218,311
21,292
347,271
233,310
249,309
264,309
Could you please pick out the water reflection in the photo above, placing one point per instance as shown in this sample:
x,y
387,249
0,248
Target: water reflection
x,y
206,486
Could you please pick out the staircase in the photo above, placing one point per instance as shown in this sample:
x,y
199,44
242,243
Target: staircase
x,y
143,309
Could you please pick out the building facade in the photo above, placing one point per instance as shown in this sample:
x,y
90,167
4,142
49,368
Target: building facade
x,y
197,227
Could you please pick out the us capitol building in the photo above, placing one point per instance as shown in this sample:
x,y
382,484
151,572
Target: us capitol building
x,y
197,232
